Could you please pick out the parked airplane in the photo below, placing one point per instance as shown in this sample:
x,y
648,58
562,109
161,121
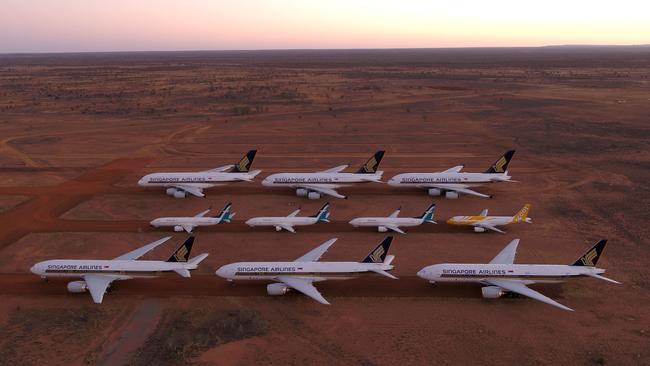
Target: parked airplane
x,y
483,222
325,182
502,276
288,222
189,223
301,274
97,275
393,222
452,182
180,184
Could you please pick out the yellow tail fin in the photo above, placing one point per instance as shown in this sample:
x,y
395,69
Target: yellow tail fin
x,y
522,215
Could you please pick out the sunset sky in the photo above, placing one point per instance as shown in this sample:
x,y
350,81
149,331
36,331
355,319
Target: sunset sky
x,y
130,25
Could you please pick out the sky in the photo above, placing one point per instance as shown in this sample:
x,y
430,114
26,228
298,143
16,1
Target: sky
x,y
161,25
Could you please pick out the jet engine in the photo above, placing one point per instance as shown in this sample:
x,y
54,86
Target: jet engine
x,y
179,194
170,191
301,192
77,286
276,289
492,292
451,195
382,229
178,228
434,192
313,195
278,228
479,229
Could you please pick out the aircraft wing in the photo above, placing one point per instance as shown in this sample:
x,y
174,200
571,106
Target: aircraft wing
x,y
97,285
315,254
394,228
287,227
522,289
189,189
323,190
294,213
135,254
305,286
221,169
455,169
336,169
395,213
507,254
201,214
490,227
458,188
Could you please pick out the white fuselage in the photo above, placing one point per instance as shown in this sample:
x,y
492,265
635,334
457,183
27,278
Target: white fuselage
x,y
329,180
197,180
124,269
318,271
282,220
426,180
486,220
185,221
524,273
386,221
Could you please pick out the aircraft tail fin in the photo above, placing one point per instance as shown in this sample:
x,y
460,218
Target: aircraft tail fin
x,y
591,257
429,214
522,215
225,215
371,166
245,163
323,214
182,254
378,255
501,165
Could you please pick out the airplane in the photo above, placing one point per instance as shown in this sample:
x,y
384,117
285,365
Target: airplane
x,y
189,223
483,222
97,275
301,274
502,276
179,185
452,182
325,182
393,222
288,222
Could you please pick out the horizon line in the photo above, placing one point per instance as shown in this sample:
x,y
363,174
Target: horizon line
x,y
321,49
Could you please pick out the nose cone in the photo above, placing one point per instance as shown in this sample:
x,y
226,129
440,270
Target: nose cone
x,y
451,221
423,273
267,182
224,272
394,181
142,181
34,269
250,222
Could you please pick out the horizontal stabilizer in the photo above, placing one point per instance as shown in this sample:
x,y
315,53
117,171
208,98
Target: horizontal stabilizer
x,y
603,278
196,260
183,272
383,273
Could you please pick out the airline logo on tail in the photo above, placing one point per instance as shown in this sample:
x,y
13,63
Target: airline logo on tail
x,y
245,162
182,254
522,214
377,254
501,165
372,164
588,259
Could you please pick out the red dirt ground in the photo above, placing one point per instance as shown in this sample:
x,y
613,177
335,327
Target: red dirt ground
x,y
79,130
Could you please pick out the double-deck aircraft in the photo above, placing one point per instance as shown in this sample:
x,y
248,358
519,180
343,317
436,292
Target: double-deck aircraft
x,y
189,223
325,182
180,184
502,276
97,275
288,222
393,222
452,182
483,222
301,274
